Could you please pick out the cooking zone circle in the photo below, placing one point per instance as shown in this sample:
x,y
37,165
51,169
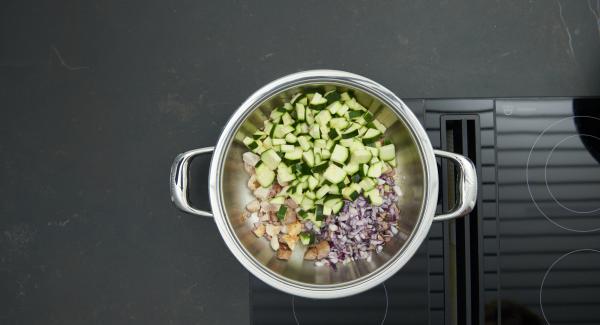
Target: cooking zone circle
x,y
571,138
374,307
571,283
562,158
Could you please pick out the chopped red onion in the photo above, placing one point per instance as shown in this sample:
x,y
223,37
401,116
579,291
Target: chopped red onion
x,y
360,229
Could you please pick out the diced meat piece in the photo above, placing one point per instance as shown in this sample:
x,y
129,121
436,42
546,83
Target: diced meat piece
x,y
283,253
253,206
290,240
290,216
276,188
322,249
273,217
253,183
262,193
253,218
268,207
245,215
264,216
259,231
311,253
294,228
249,169
273,230
274,243
250,158
291,204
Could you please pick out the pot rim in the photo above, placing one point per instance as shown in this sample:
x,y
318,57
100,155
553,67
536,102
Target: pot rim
x,y
371,279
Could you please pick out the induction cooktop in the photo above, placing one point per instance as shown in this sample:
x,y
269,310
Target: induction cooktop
x,y
529,253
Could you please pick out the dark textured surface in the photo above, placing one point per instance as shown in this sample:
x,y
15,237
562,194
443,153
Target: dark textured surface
x,y
98,97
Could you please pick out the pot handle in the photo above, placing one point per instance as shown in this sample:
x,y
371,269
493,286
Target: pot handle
x,y
179,181
467,185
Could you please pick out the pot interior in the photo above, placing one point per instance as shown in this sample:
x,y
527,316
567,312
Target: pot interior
x,y
410,178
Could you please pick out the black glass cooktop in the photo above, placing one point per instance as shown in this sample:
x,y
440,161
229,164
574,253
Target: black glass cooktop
x,y
530,251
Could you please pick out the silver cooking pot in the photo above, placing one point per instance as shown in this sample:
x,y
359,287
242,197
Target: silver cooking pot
x,y
418,180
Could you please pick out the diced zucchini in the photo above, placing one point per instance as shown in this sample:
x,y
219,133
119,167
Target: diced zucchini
x,y
375,197
312,182
286,147
314,131
320,143
330,144
339,154
278,142
339,123
309,158
317,99
327,210
361,156
284,174
351,168
264,175
387,152
374,151
310,116
297,197
287,119
280,131
363,170
304,142
334,107
301,128
375,170
307,238
322,191
334,189
367,184
342,110
307,203
320,167
325,154
379,126
323,117
371,134
324,132
270,159
334,174
275,115
318,159
277,200
338,206
295,98
354,105
345,96
295,154
281,212
332,96
350,134
300,112
346,142
302,169
349,193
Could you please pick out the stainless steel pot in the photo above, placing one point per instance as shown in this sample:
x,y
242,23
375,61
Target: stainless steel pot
x,y
418,181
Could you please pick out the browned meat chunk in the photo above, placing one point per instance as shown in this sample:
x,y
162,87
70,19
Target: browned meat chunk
x,y
322,249
284,252
311,253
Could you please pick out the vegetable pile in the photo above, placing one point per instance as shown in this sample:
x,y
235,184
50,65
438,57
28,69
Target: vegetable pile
x,y
322,173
